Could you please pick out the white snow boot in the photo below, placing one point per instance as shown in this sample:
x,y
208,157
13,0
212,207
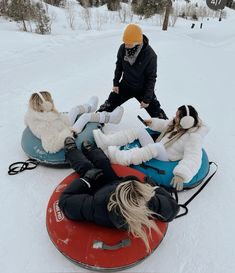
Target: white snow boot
x,y
134,156
88,107
91,105
119,138
111,117
102,117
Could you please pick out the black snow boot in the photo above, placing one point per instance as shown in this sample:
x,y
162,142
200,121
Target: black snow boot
x,y
69,144
161,114
87,146
106,106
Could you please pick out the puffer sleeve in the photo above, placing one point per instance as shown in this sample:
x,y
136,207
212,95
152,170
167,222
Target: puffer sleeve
x,y
159,124
192,157
76,202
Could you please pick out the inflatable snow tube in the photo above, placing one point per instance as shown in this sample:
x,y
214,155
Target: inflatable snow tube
x,y
95,247
161,172
32,146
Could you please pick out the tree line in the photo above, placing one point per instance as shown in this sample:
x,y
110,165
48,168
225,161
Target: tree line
x,y
33,15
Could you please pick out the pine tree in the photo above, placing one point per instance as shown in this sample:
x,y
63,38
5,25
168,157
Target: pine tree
x,y
3,7
20,11
113,5
57,3
42,19
147,8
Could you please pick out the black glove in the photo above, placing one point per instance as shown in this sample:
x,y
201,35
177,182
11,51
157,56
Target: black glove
x,y
93,177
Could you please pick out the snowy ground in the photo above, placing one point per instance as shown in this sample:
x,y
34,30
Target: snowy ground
x,y
195,66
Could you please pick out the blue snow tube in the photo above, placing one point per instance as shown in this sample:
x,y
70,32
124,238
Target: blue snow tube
x,y
161,172
32,146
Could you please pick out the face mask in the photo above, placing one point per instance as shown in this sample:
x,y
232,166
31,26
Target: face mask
x,y
131,51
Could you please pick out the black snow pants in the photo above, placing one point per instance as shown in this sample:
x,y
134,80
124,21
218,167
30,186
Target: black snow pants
x,y
126,93
94,158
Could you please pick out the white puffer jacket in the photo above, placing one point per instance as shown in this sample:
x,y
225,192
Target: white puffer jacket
x,y
51,127
187,149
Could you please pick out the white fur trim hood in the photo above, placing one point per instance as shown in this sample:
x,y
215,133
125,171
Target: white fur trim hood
x,y
51,127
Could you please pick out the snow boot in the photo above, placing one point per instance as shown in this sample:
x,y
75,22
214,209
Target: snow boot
x,y
88,107
134,156
69,144
119,138
103,117
106,106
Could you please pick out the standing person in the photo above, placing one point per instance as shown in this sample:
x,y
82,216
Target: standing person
x,y
135,74
100,196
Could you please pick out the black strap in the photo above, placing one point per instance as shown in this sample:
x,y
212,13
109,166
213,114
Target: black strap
x,y
159,171
20,166
184,206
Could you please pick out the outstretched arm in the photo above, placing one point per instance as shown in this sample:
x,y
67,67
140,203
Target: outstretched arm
x,y
157,124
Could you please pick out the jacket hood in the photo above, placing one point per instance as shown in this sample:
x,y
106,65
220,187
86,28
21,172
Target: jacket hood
x,y
202,129
145,40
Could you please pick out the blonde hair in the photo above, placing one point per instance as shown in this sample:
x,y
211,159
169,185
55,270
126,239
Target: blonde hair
x,y
36,103
131,198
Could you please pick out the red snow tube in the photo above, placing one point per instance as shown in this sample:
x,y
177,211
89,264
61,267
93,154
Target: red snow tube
x,y
95,247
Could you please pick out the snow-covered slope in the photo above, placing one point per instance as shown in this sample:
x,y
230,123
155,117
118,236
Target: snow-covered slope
x,y
195,66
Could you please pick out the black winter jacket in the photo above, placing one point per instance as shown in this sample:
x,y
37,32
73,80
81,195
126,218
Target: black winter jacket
x,y
78,202
142,74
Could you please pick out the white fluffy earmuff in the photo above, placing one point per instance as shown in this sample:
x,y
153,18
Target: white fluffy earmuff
x,y
46,105
187,121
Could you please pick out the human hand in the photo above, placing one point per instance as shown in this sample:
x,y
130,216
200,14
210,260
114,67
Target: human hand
x,y
144,105
115,89
148,122
93,177
177,182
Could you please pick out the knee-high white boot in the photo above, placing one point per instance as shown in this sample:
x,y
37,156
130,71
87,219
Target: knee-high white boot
x,y
102,117
133,156
119,138
88,107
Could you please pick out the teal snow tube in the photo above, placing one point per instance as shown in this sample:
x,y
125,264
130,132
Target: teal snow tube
x,y
161,172
32,146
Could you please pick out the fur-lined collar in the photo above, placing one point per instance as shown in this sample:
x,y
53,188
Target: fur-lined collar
x,y
45,116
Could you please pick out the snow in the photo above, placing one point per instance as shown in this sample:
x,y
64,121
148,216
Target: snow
x,y
195,66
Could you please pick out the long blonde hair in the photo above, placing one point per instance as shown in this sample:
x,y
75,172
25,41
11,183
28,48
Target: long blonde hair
x,y
36,103
131,198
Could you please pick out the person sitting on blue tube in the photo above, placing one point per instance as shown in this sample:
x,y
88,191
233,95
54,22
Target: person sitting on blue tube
x,y
52,127
180,139
102,197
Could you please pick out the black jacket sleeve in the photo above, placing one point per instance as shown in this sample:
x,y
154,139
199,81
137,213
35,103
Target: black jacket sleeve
x,y
76,202
164,205
150,79
119,69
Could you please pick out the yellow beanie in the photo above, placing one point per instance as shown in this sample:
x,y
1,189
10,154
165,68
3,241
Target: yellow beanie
x,y
133,35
